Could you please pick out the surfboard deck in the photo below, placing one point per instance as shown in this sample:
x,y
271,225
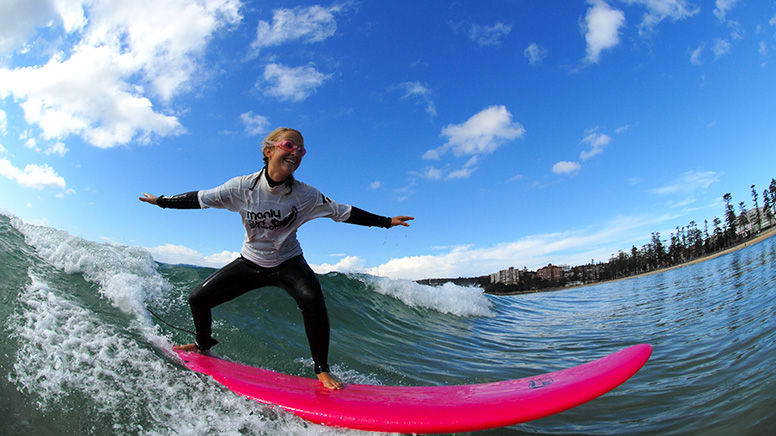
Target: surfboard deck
x,y
426,409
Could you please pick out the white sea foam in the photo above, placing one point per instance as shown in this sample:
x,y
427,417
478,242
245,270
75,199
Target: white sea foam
x,y
448,298
126,276
66,350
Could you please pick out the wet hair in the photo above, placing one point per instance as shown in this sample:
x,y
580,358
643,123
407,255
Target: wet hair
x,y
268,141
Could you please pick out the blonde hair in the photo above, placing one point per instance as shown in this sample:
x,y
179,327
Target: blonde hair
x,y
273,137
269,141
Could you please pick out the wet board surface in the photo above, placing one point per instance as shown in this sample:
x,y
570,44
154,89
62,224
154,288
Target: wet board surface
x,y
426,409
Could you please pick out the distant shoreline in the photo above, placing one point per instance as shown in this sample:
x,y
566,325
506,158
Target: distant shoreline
x,y
763,236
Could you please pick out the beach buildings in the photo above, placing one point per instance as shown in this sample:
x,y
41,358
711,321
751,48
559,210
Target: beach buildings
x,y
512,275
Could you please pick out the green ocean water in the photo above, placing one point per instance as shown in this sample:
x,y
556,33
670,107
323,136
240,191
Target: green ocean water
x,y
81,354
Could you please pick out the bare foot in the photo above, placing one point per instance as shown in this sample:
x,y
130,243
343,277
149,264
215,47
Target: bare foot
x,y
329,381
187,347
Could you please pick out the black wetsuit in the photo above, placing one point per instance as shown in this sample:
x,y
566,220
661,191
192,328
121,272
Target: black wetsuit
x,y
293,275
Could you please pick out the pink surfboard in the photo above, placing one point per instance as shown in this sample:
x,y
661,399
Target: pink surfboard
x,y
427,409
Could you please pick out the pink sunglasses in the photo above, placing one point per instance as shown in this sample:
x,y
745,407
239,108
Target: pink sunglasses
x,y
289,145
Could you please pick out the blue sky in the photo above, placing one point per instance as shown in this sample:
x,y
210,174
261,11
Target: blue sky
x,y
518,133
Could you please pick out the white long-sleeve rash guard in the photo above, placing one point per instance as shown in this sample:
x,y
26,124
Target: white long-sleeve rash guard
x,y
271,215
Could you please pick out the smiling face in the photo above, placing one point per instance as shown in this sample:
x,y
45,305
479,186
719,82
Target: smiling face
x,y
282,163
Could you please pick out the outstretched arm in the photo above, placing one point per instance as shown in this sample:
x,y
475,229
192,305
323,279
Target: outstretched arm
x,y
188,200
364,218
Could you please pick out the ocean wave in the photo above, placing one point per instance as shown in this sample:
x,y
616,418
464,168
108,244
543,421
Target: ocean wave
x,y
66,352
126,276
448,298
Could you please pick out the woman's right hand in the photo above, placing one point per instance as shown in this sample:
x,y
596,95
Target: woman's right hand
x,y
148,198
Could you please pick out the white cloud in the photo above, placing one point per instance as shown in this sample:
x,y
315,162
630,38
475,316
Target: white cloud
x,y
345,265
772,21
597,142
68,191
100,82
375,185
695,56
535,53
254,124
3,149
33,176
432,154
602,28
311,24
3,123
292,84
85,95
164,45
32,144
489,35
721,48
566,167
58,149
763,49
659,10
689,182
483,133
622,129
432,173
682,203
179,254
723,7
419,92
18,21
736,31
461,173
570,247
217,260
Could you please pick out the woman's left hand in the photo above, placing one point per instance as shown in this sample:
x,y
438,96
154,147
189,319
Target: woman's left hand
x,y
401,221
148,198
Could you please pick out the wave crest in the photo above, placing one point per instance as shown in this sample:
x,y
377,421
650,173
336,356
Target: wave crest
x,y
448,298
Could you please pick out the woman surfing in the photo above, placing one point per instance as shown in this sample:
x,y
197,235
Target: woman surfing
x,y
273,205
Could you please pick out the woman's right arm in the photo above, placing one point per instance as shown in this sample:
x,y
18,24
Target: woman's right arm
x,y
188,200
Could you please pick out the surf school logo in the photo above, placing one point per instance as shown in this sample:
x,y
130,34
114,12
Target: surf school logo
x,y
540,382
270,219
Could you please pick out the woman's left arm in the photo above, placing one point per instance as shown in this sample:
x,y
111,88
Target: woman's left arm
x,y
364,218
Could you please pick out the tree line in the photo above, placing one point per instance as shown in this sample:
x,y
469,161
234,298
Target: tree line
x,y
693,241
685,244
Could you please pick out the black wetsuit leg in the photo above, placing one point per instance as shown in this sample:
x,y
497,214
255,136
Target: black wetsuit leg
x,y
241,276
299,280
228,283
